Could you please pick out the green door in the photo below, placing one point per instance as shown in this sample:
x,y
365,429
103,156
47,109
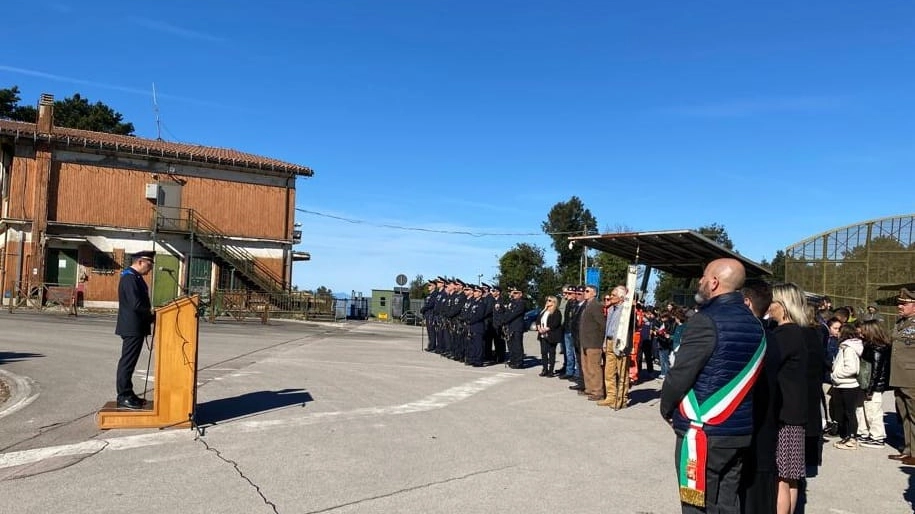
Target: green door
x,y
60,268
165,279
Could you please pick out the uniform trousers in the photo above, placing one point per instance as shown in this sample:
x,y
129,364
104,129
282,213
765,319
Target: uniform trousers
x,y
905,407
131,347
430,331
475,349
515,348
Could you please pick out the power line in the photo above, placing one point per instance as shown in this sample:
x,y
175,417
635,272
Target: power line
x,y
432,230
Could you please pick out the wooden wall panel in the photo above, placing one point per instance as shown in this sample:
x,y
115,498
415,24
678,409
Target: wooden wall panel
x,y
244,210
276,266
99,286
22,190
110,197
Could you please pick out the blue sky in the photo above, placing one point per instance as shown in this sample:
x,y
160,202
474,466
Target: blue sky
x,y
778,120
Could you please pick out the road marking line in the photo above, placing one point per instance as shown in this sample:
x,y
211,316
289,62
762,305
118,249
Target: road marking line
x,y
22,392
434,401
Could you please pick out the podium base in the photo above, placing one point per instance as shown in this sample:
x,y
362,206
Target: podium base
x,y
111,416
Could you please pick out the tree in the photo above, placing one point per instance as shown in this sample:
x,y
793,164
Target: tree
x,y
418,287
718,234
777,266
10,108
521,267
613,270
321,290
73,112
566,219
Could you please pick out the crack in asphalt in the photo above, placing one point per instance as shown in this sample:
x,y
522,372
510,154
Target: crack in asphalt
x,y
410,489
238,470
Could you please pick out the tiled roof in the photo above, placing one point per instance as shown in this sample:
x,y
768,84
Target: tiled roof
x,y
149,147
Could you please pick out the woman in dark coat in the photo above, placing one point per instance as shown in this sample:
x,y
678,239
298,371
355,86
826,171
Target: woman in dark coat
x,y
549,333
788,311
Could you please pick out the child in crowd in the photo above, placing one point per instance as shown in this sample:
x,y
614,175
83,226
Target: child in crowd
x,y
846,393
871,431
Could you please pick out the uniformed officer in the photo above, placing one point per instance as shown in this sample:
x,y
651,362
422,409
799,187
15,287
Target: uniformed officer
x,y
498,323
438,315
902,372
488,332
134,323
476,327
427,311
514,321
454,319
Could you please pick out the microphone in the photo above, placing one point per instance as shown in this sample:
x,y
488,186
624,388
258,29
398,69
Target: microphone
x,y
167,270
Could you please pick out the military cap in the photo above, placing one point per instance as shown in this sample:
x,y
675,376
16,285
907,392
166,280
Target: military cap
x,y
145,254
905,296
579,289
439,280
496,288
477,288
485,287
514,289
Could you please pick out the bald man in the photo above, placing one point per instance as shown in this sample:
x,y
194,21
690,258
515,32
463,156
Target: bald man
x,y
707,395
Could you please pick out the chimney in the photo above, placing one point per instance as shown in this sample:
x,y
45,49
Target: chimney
x,y
45,113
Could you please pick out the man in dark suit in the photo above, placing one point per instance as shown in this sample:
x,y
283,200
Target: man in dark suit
x,y
134,324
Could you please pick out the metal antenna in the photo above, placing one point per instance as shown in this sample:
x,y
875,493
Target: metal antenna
x,y
156,110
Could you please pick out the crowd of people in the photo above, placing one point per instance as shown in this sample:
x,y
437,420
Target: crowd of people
x,y
756,376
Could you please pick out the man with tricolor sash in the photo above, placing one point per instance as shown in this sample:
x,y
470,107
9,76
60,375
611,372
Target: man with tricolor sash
x,y
707,394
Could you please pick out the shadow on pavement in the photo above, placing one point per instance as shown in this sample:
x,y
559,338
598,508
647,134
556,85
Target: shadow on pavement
x,y
17,356
250,403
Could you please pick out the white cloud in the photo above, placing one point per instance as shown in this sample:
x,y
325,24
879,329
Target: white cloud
x,y
168,28
109,85
741,108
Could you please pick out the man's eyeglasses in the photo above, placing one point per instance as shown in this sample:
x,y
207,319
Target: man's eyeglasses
x,y
606,298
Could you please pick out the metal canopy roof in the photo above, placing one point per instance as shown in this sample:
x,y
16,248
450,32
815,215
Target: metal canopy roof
x,y
682,253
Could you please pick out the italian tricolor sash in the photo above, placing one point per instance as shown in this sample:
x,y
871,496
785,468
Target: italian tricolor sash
x,y
716,409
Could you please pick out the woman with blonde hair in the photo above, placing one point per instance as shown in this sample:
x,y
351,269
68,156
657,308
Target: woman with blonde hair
x,y
788,311
549,332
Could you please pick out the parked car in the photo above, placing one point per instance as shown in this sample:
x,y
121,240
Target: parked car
x,y
530,319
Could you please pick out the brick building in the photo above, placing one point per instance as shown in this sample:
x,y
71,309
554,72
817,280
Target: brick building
x,y
76,204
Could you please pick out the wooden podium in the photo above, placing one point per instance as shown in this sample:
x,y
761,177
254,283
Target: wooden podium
x,y
174,399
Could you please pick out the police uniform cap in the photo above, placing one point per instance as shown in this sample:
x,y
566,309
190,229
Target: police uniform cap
x,y
439,280
145,254
579,289
485,287
514,289
495,288
905,296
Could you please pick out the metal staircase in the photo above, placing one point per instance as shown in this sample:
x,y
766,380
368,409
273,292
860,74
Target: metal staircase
x,y
195,226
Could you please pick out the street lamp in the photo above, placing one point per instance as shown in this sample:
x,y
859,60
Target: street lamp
x,y
480,279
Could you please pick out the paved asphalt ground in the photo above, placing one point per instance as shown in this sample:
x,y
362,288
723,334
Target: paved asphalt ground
x,y
348,418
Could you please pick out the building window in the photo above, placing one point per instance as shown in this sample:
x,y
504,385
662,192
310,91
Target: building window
x,y
104,263
382,301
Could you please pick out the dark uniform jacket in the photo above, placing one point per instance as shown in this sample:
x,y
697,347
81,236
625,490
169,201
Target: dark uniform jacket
x,y
135,315
717,344
514,316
